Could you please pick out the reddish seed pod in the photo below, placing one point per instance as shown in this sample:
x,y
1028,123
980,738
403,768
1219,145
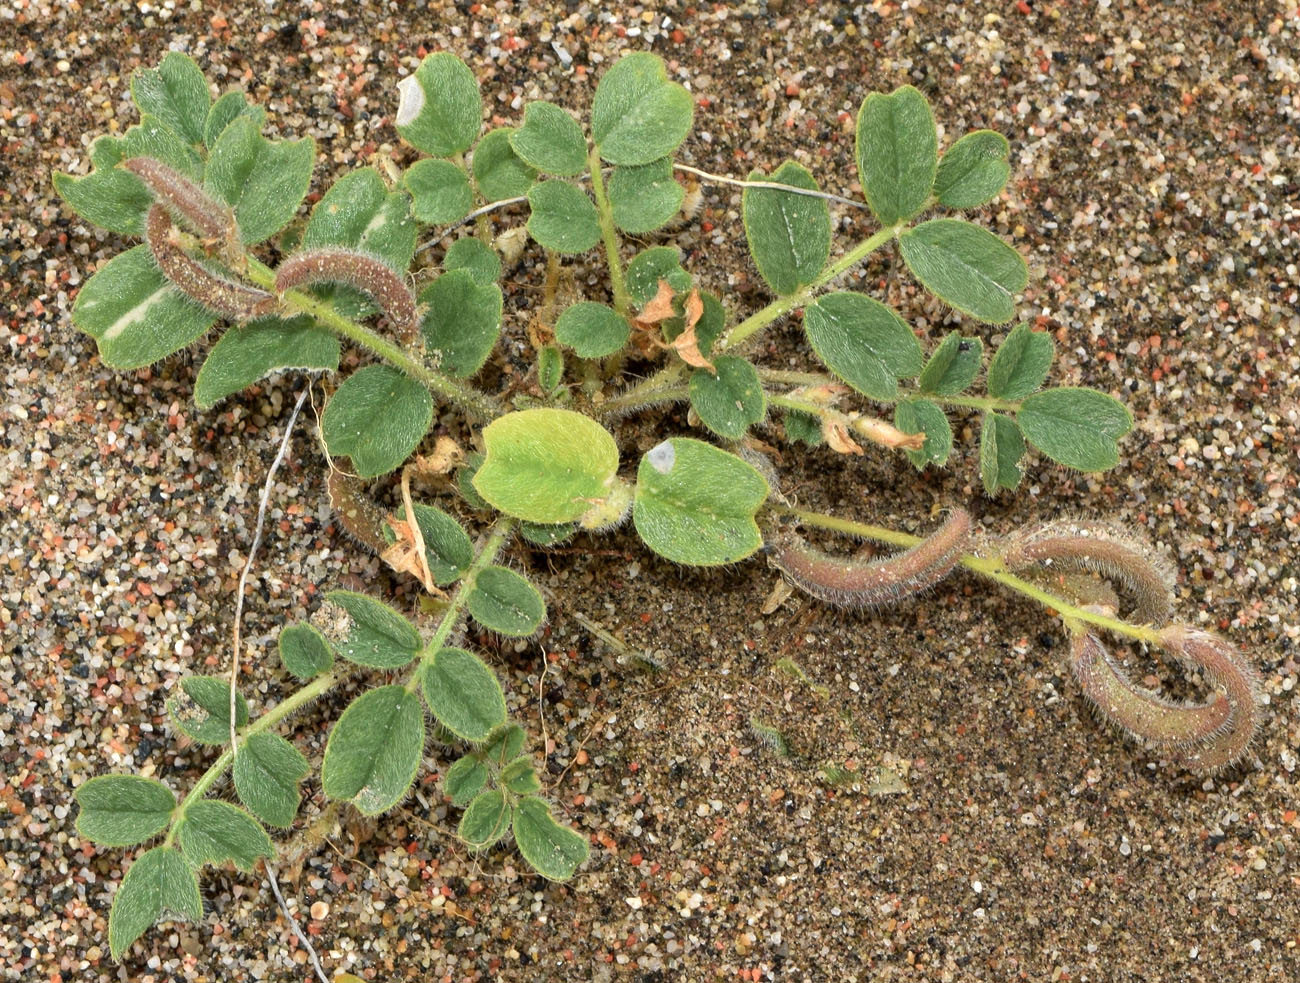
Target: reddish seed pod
x,y
209,218
849,583
233,301
1201,736
357,513
1098,548
356,269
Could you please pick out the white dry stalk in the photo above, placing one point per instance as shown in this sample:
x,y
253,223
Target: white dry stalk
x,y
293,923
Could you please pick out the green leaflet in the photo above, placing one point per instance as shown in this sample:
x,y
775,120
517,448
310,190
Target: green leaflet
x,y
176,93
263,181
201,710
447,547
550,141
1001,447
440,191
563,217
546,465
214,832
953,366
506,603
374,750
1020,364
114,199
462,321
153,138
730,401
546,534
923,416
973,170
122,810
134,314
440,110
504,745
225,111
380,637
789,234
304,651
498,171
863,341
266,772
550,368
463,693
695,504
464,780
376,418
359,212
592,330
159,880
897,153
645,197
475,256
650,266
486,820
520,778
554,851
249,352
966,266
1075,427
638,115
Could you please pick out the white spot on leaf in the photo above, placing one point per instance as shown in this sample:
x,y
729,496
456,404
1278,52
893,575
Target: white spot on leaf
x,y
662,457
411,100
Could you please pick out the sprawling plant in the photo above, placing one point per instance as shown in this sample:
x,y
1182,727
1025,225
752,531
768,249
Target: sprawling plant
x,y
208,193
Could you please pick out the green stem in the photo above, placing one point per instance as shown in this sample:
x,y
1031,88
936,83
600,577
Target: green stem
x,y
790,403
989,567
622,301
783,305
974,402
797,378
656,389
467,398
316,688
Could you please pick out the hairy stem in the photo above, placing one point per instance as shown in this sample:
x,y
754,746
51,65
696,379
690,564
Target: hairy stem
x,y
622,301
658,388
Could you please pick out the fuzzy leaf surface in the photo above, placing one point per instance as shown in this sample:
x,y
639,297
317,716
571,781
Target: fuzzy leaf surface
x,y
645,197
225,111
464,694
464,780
554,851
592,330
159,880
953,366
730,401
1021,363
550,141
637,114
863,341
374,750
114,199
550,368
897,150
376,418
264,181
214,832
380,637
266,772
462,321
650,266
304,651
520,777
563,217
966,266
789,234
447,546
248,352
504,745
475,256
440,191
506,602
176,93
973,170
440,110
1001,447
201,710
923,416
123,810
498,170
485,820
1076,427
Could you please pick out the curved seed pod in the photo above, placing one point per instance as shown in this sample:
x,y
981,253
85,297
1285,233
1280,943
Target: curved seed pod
x,y
232,300
1103,549
338,265
848,583
211,219
1201,736
357,513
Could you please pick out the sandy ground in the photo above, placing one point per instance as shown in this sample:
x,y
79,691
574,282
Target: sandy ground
x,y
988,828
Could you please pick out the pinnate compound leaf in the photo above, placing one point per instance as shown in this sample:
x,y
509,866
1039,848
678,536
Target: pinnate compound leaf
x,y
645,197
249,352
374,749
554,851
440,191
953,366
264,181
966,266
447,546
159,880
730,401
592,330
380,637
1076,427
864,342
214,832
201,710
464,780
650,266
789,234
440,110
638,115
973,170
475,256
122,810
376,418
135,314
267,771
563,217
695,504
546,465
225,111
923,416
506,603
464,694
486,820
520,777
462,321
176,93
1020,364
1001,448
113,198
498,170
897,151
304,651
550,140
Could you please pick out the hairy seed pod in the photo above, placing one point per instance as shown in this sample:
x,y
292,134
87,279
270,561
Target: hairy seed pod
x,y
1102,549
1201,736
356,269
849,583
232,300
357,513
209,218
